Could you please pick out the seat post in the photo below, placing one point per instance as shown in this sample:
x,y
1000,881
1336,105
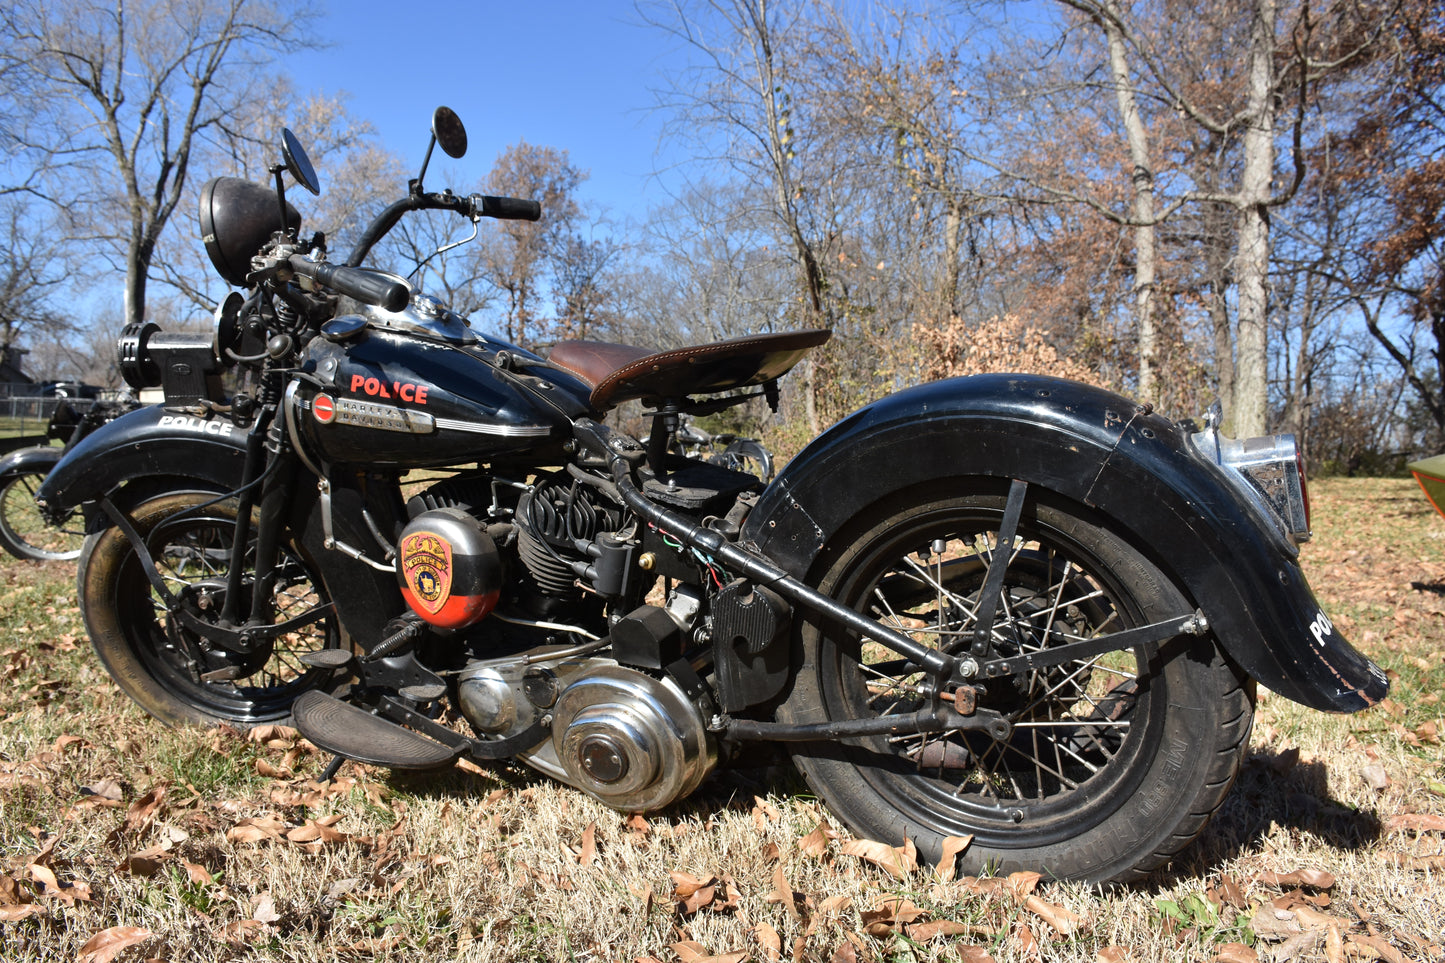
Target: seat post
x,y
664,427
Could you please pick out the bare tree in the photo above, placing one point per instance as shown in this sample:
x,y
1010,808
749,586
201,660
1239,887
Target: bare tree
x,y
31,270
739,104
358,178
124,92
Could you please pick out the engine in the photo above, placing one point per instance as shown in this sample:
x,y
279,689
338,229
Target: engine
x,y
633,739
632,735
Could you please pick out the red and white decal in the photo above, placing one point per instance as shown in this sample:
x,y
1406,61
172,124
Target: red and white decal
x,y
323,409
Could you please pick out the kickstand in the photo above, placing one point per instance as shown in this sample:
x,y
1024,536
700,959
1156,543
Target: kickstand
x,y
332,768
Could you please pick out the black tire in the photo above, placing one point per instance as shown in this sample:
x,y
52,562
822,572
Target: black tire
x,y
24,531
1114,764
161,665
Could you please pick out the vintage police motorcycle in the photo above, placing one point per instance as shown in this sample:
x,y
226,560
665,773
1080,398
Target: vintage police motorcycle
x,y
1039,626
24,532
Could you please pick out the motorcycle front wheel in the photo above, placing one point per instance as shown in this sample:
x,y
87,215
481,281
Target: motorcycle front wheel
x,y
169,670
24,531
1113,764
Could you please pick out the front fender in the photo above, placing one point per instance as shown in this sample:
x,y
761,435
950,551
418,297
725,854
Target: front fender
x,y
1097,448
153,443
145,443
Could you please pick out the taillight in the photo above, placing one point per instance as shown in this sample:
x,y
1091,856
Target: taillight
x,y
1268,471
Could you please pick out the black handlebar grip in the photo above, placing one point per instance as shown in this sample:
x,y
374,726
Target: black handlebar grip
x,y
363,285
506,208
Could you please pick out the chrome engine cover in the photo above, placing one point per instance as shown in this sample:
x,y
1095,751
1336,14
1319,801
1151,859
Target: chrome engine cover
x,y
635,742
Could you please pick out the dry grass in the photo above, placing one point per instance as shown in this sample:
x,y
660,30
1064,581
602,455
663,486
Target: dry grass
x,y
121,839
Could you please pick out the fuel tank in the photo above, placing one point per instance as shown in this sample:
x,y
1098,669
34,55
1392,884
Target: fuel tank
x,y
381,397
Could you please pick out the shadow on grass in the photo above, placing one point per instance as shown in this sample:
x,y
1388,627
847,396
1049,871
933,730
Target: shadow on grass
x,y
1275,791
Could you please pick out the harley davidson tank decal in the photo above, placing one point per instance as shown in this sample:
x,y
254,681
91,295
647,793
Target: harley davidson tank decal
x,y
426,563
368,414
323,409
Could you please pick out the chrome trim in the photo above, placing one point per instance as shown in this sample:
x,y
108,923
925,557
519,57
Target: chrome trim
x,y
1265,470
423,315
505,431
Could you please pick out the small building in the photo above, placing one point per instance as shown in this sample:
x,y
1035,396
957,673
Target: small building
x,y
13,380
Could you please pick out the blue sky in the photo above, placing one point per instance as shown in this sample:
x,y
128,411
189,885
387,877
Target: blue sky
x,y
573,75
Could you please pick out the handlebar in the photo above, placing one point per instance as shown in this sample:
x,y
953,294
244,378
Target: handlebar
x,y
505,208
472,205
365,286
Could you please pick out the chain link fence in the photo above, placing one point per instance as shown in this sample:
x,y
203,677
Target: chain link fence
x,y
24,419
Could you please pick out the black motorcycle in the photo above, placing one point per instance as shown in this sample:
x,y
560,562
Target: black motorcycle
x,y
724,448
1040,626
24,531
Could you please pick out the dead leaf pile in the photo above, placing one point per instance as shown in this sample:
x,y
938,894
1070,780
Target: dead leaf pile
x,y
692,894
1303,921
32,883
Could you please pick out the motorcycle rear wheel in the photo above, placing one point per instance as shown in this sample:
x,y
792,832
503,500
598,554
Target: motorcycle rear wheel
x,y
1114,764
163,666
24,531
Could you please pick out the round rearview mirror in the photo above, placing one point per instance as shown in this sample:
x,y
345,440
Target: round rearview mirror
x,y
298,163
447,128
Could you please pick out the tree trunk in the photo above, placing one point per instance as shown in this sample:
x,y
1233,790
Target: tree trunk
x,y
137,272
1143,214
769,83
1251,263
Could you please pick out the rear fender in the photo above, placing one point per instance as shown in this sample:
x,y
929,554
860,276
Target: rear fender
x,y
1137,469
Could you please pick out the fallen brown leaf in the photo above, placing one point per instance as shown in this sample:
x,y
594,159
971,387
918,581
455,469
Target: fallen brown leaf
x,y
769,940
1236,953
108,944
1417,822
1022,884
974,954
1227,892
1028,943
1317,878
1375,947
1061,919
889,916
816,842
588,851
256,829
142,812
19,911
953,846
692,894
898,862
783,892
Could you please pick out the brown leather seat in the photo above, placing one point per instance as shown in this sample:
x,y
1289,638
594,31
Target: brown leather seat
x,y
619,372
